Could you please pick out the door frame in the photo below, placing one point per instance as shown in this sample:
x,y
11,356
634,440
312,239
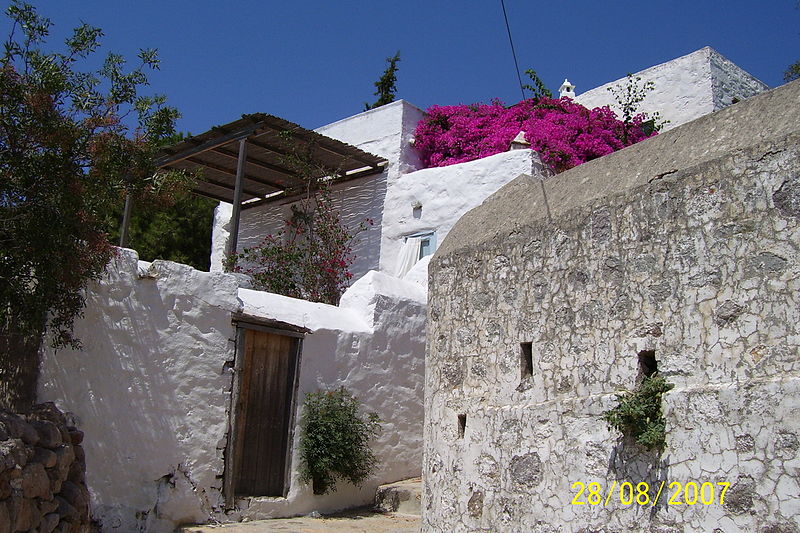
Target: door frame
x,y
243,322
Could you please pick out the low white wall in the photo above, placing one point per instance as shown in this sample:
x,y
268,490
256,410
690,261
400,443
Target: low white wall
x,y
373,344
686,88
151,391
151,387
445,194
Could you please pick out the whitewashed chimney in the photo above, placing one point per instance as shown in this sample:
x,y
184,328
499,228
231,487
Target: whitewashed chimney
x,y
566,89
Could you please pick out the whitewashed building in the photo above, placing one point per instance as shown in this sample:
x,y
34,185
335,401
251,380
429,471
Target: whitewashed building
x,y
160,386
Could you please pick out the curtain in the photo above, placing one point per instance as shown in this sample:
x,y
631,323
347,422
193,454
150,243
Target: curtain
x,y
409,255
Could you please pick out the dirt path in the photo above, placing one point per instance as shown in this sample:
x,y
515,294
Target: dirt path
x,y
355,521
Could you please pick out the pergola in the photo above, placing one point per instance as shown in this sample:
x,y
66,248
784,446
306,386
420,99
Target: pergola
x,y
259,159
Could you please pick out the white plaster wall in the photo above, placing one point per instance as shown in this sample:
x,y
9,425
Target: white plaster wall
x,y
220,232
445,193
151,387
729,81
373,345
686,88
386,131
150,390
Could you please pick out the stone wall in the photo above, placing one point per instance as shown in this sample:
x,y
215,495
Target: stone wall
x,y
42,473
685,246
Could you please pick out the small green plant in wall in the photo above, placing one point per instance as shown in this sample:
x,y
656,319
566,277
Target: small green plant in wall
x,y
638,414
334,440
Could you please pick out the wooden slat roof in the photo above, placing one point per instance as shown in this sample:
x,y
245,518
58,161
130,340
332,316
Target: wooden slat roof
x,y
272,145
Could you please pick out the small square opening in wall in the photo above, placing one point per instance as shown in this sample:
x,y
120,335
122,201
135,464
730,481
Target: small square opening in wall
x,y
462,425
647,364
526,359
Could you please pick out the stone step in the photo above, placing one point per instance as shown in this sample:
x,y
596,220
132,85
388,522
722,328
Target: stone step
x,y
402,497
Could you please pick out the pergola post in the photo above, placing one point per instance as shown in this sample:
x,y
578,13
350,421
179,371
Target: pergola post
x,y
126,221
237,198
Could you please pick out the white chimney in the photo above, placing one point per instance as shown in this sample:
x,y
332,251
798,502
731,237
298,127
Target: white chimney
x,y
566,89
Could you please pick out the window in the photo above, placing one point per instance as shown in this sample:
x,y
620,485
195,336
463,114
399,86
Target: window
x,y
415,247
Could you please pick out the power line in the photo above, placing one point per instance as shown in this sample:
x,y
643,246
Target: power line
x,y
513,52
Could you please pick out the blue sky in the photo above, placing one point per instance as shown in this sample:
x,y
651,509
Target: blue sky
x,y
315,62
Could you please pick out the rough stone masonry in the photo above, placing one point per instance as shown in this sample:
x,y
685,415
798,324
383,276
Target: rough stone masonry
x,y
543,301
42,473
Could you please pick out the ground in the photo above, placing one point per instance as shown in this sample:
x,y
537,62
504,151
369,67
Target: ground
x,y
354,521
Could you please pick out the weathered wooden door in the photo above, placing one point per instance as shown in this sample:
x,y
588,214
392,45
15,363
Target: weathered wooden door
x,y
264,415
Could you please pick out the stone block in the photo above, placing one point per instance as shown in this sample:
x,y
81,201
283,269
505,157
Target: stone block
x,y
21,511
44,456
402,497
77,496
35,482
76,436
77,472
5,518
13,453
49,523
49,412
49,434
48,506
66,510
65,459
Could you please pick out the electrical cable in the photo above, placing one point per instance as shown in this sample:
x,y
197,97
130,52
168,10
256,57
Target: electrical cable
x,y
513,52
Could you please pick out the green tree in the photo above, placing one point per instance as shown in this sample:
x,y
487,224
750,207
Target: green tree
x,y
387,85
179,231
793,72
73,143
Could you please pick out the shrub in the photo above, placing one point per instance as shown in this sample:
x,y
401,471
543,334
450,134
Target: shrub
x,y
638,414
334,440
310,257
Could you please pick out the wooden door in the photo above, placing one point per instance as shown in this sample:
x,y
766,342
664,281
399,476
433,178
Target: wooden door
x,y
264,414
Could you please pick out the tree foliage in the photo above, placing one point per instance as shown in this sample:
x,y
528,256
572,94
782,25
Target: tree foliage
x,y
793,72
387,84
73,142
334,440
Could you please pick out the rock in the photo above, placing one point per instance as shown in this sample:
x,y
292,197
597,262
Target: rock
x,y
13,453
46,457
77,496
77,472
5,519
35,482
526,469
49,434
75,435
17,428
48,412
49,523
65,457
5,488
21,512
67,511
80,455
48,506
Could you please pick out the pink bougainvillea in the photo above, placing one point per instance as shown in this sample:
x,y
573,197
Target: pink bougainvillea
x,y
564,133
